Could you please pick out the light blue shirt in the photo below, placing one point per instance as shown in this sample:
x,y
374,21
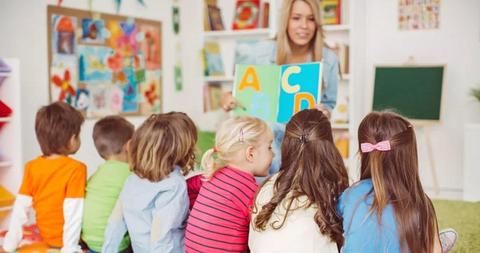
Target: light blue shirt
x,y
361,229
154,213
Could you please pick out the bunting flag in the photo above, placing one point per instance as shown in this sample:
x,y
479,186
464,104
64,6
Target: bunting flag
x,y
118,3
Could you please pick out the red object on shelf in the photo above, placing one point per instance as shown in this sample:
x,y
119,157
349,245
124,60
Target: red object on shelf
x,y
246,14
5,111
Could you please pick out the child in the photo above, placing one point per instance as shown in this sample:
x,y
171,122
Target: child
x,y
153,204
54,183
388,211
219,219
295,209
110,136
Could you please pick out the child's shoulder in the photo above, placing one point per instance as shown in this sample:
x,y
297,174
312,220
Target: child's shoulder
x,y
61,161
358,189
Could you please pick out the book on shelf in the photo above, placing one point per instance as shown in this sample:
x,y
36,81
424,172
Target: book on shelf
x,y
330,12
213,63
215,18
246,14
212,95
265,15
257,52
206,20
342,51
275,93
342,142
340,112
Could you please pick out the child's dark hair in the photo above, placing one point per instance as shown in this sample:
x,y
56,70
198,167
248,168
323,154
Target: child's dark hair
x,y
55,125
110,134
311,166
395,178
160,143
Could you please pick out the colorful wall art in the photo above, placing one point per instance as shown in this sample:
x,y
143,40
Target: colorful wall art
x,y
104,64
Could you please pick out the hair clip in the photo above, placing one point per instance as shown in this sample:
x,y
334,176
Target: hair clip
x,y
380,146
303,138
241,139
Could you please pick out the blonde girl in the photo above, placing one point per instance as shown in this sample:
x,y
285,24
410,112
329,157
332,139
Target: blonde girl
x,y
220,216
153,204
388,211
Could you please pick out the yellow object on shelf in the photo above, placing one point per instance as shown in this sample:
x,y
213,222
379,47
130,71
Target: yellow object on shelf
x,y
6,202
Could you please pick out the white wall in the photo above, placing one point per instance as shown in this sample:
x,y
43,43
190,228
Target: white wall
x,y
23,35
456,44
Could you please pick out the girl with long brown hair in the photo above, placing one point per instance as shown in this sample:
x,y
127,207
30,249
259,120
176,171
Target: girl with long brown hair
x,y
295,209
387,210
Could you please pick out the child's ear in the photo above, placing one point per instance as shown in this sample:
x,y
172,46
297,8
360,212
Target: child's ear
x,y
126,146
249,154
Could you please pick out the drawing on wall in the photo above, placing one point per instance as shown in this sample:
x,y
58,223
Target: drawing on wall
x,y
418,14
105,65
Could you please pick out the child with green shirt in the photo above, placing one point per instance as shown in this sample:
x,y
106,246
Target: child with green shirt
x,y
110,135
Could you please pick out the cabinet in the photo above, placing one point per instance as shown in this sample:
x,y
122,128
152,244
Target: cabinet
x,y
11,168
342,117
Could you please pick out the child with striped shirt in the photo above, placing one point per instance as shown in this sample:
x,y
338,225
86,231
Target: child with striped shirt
x,y
220,216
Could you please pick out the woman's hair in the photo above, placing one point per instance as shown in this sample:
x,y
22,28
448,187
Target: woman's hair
x,y
160,143
55,125
110,134
233,135
311,166
395,178
284,42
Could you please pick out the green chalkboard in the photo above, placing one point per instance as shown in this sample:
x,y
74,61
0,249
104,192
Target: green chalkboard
x,y
412,91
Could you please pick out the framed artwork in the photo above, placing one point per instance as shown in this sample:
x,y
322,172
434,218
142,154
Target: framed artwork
x,y
418,14
104,64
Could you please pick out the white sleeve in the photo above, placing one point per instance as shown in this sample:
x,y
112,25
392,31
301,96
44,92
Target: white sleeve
x,y
72,213
18,219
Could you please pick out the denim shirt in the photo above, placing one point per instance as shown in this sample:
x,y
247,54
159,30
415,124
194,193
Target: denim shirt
x,y
153,212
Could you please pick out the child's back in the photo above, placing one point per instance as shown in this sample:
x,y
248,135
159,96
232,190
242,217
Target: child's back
x,y
103,190
361,225
219,212
50,182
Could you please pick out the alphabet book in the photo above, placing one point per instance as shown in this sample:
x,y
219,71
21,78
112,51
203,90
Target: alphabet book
x,y
275,93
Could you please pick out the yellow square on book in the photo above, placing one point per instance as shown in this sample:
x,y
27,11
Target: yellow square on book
x,y
6,200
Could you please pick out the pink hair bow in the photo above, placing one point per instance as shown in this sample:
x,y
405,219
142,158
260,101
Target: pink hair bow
x,y
380,146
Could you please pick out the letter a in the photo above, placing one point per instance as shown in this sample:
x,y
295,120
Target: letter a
x,y
303,96
250,79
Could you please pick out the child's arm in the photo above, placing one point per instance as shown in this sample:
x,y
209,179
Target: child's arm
x,y
73,210
18,219
115,231
171,209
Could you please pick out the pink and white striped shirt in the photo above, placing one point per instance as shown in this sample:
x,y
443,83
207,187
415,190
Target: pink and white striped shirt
x,y
220,217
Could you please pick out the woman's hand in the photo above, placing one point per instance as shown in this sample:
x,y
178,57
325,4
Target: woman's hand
x,y
228,101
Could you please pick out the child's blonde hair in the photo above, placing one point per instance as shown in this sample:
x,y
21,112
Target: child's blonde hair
x,y
233,135
160,143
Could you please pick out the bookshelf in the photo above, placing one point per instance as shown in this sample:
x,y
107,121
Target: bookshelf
x,y
343,123
10,137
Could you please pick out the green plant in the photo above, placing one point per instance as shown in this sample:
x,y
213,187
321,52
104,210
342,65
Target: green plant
x,y
475,92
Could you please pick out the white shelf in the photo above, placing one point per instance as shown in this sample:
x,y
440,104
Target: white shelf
x,y
4,73
345,77
5,119
340,126
336,28
223,79
263,32
5,164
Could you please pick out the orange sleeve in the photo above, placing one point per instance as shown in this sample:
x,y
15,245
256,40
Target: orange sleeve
x,y
26,186
76,183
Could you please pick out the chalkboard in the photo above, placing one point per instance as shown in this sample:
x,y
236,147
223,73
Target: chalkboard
x,y
412,91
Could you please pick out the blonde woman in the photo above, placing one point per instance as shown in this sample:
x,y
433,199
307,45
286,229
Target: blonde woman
x,y
220,216
300,39
153,204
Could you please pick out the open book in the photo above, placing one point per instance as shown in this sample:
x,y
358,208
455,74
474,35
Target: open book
x,y
275,93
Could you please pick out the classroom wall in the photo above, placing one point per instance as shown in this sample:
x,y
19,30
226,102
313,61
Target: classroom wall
x,y
23,35
456,44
